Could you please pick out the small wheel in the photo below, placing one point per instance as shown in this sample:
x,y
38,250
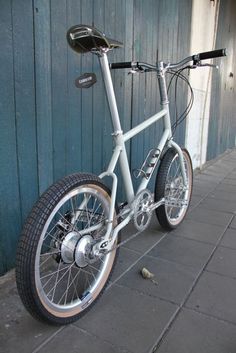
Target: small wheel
x,y
169,185
58,276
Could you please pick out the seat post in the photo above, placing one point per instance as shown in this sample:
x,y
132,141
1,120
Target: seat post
x,y
110,92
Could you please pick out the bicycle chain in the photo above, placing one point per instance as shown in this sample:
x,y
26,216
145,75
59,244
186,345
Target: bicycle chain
x,y
123,242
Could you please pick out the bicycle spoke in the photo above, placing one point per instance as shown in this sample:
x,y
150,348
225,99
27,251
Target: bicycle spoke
x,y
95,268
53,273
42,263
64,219
58,281
87,282
81,209
54,288
75,285
49,253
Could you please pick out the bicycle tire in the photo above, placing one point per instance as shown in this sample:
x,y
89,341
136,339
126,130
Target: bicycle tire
x,y
43,236
169,185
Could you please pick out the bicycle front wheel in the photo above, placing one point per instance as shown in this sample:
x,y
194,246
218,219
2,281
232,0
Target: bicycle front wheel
x,y
58,277
169,185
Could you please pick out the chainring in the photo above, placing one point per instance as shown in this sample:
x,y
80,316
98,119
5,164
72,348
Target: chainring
x,y
141,207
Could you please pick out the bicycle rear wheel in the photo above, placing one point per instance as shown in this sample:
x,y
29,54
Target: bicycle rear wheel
x,y
169,185
58,277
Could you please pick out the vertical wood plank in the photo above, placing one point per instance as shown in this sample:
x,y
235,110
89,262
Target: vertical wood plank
x,y
59,86
25,103
74,122
87,96
183,26
42,20
109,29
138,97
123,81
145,86
10,215
99,99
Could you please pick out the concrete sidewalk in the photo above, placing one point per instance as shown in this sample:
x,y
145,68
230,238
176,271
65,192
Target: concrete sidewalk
x,y
192,309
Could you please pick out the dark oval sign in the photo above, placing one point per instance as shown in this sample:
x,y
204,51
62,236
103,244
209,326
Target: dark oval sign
x,y
86,80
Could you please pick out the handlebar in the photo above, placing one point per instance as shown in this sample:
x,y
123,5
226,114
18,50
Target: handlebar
x,y
148,67
196,58
134,65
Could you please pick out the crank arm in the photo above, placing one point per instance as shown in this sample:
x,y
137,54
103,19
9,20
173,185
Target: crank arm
x,y
174,203
156,205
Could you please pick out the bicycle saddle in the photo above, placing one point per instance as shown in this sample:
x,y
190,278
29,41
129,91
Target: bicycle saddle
x,y
83,38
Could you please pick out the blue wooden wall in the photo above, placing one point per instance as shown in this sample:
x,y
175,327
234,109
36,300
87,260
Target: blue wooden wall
x,y
48,128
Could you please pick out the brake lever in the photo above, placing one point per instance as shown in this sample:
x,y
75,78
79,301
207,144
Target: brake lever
x,y
199,64
135,71
210,65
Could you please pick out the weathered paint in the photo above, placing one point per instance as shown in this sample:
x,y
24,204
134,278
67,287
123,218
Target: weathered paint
x,y
49,128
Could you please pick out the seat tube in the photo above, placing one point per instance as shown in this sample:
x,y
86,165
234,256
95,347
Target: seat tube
x,y
118,133
110,92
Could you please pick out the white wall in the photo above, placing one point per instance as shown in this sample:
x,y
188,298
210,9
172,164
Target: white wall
x,y
203,30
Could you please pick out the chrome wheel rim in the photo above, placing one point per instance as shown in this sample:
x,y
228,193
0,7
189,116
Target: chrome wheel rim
x,y
177,196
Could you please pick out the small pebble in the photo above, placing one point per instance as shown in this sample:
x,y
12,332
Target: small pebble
x,y
146,274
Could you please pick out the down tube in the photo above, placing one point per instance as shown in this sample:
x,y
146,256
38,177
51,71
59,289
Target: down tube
x,y
125,170
144,183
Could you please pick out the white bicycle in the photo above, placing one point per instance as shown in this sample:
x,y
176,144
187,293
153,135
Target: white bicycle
x,y
69,242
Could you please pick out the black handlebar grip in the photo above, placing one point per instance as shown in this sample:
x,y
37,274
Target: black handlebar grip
x,y
123,65
210,54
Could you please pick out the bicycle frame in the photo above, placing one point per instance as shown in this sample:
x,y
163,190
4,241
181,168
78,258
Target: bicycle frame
x,y
120,152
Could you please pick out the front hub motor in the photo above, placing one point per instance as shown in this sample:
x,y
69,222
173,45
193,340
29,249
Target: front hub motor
x,y
83,251
68,247
75,248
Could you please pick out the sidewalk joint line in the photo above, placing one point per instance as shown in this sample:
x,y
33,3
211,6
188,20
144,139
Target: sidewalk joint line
x,y
48,339
221,274
210,316
121,349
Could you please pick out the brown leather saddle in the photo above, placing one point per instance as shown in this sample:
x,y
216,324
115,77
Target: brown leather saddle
x,y
83,39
